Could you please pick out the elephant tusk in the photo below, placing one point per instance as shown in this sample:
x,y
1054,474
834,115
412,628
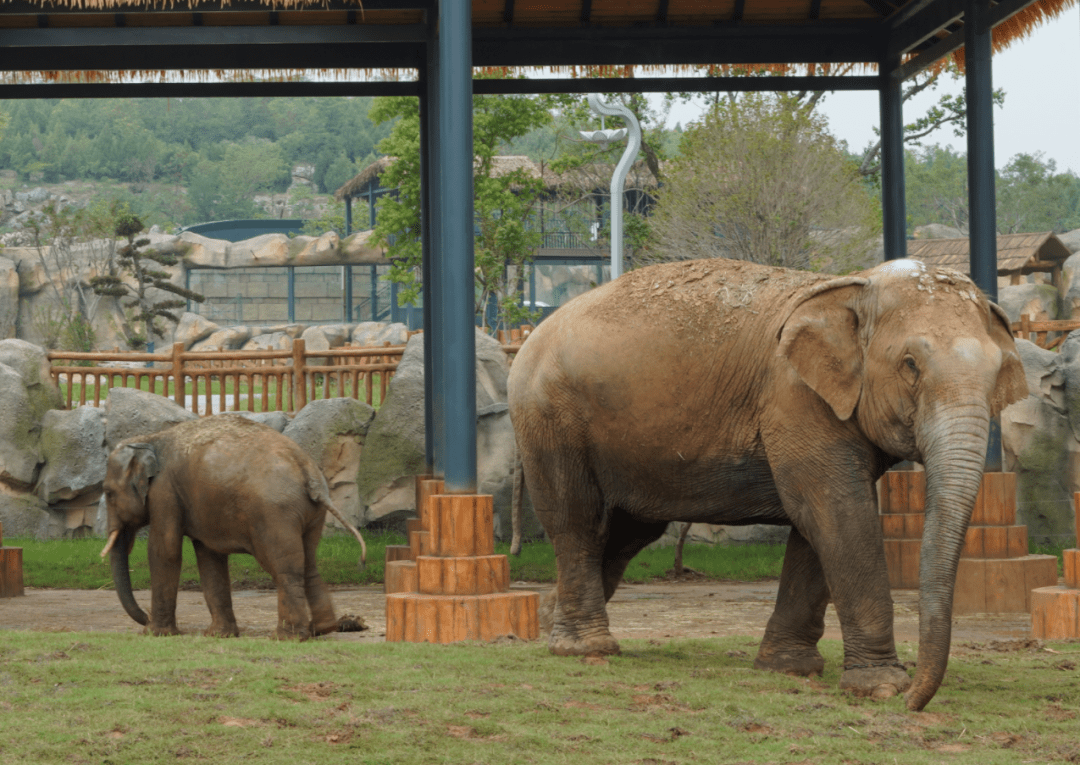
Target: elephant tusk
x,y
109,545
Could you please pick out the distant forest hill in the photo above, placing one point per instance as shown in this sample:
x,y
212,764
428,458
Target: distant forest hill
x,y
191,159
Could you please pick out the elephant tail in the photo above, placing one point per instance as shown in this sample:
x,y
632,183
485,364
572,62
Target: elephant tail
x,y
355,532
320,494
516,502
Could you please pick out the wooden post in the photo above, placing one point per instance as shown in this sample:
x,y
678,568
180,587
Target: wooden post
x,y
299,389
457,588
11,574
1055,611
178,374
996,574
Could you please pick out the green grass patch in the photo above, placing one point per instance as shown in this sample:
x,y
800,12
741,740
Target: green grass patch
x,y
1056,549
91,697
76,564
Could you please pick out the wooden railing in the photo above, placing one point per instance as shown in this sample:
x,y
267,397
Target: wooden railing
x,y
209,382
218,381
1038,331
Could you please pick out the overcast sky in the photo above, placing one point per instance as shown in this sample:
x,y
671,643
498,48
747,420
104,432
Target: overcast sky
x,y
1041,79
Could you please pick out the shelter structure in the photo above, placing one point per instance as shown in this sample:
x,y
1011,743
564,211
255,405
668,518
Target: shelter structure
x,y
174,48
1018,255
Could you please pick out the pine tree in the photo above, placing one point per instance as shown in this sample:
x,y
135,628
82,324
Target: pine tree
x,y
142,306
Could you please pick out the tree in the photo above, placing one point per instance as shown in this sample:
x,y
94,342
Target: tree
x,y
505,199
761,179
145,307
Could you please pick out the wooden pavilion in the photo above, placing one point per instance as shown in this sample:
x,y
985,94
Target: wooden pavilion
x,y
1017,255
432,48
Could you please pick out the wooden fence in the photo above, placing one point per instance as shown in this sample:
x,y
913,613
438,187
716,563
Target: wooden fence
x,y
209,382
1039,332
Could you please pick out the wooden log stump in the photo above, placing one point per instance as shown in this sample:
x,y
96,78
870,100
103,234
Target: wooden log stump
x,y
996,574
11,569
462,589
1055,611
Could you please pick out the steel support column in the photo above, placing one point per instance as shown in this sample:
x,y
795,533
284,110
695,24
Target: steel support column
x,y
982,207
434,411
894,215
457,347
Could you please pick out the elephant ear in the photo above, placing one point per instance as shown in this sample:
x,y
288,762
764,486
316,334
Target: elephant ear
x,y
142,465
821,341
1011,382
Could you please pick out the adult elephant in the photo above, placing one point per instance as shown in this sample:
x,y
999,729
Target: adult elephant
x,y
233,486
726,392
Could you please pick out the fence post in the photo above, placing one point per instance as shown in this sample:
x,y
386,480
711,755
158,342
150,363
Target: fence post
x,y
299,375
178,373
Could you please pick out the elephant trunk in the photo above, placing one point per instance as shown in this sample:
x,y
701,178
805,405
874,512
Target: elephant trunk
x,y
953,444
118,558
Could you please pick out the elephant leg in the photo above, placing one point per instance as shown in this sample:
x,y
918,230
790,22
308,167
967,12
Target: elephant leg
x,y
798,622
165,555
282,555
627,537
217,591
838,517
315,589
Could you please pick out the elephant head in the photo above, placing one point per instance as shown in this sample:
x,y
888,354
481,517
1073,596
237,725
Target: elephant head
x,y
920,361
127,486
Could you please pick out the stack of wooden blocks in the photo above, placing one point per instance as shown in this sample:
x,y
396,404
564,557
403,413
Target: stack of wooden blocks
x,y
447,584
11,579
996,574
1055,611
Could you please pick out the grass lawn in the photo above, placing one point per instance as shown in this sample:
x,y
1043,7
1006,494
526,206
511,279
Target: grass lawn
x,y
96,698
75,564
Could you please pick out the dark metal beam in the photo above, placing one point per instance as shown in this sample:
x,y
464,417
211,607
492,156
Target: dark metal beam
x,y
894,217
999,13
209,90
175,57
30,8
880,6
738,11
917,28
458,346
210,36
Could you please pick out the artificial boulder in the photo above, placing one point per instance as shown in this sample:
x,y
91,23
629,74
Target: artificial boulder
x,y
394,449
193,328
27,392
130,412
1039,443
26,515
1039,301
376,333
74,455
9,297
332,432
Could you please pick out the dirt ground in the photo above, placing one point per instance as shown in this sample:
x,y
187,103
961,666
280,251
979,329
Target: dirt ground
x,y
658,611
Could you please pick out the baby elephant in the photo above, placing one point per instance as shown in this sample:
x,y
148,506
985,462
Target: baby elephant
x,y
233,486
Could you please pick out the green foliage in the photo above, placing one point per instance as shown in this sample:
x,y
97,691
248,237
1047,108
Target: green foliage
x,y
228,149
332,219
1032,196
504,201
762,179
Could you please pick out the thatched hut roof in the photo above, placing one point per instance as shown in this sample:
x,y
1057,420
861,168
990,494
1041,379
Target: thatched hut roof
x,y
578,180
1017,254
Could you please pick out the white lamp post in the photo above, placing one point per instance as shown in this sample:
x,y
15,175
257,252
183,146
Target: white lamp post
x,y
618,178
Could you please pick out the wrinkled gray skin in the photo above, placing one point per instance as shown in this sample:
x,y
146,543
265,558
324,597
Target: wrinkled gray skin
x,y
233,486
725,392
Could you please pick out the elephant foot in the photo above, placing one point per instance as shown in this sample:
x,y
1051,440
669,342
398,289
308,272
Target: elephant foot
x,y
879,682
803,662
601,645
291,632
165,631
222,631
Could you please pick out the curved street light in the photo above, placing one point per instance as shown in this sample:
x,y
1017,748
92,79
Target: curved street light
x,y
618,179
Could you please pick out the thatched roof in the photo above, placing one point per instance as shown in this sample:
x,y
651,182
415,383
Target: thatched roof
x,y
492,15
1016,253
578,180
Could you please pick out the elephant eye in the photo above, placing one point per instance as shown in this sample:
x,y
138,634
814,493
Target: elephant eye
x,y
909,362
